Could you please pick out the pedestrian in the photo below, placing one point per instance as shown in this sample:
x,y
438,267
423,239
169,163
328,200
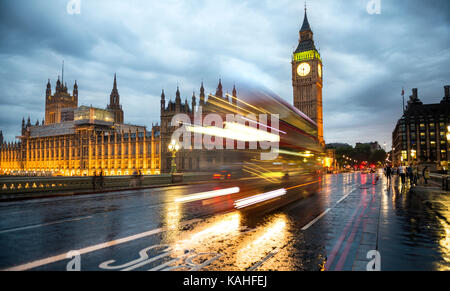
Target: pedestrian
x,y
388,173
402,173
426,175
101,180
140,178
410,174
416,174
94,180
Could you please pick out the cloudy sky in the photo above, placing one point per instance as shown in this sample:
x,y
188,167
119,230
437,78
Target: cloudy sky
x,y
158,44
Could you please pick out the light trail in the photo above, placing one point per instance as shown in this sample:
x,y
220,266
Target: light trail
x,y
242,203
206,195
236,132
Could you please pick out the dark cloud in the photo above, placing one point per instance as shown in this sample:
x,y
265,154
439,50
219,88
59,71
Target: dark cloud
x,y
158,44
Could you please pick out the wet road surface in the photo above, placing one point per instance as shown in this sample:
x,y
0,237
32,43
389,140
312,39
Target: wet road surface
x,y
335,229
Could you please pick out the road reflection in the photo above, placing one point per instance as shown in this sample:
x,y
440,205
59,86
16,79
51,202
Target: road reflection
x,y
263,242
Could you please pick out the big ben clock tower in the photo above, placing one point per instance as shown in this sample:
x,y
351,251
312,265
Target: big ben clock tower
x,y
307,78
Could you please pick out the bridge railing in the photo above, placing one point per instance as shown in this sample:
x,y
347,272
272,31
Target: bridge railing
x,y
25,185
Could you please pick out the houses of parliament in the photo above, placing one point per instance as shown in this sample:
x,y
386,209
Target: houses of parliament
x,y
75,140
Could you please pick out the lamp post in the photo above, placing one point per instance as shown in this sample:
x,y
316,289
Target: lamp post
x,y
174,147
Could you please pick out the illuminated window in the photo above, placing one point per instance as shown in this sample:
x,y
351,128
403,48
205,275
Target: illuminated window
x,y
404,155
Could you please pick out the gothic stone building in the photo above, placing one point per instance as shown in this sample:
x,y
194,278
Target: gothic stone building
x,y
76,141
420,136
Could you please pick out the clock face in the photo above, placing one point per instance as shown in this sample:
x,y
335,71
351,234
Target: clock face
x,y
320,71
303,69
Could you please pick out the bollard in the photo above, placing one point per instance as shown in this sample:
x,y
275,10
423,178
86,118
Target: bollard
x,y
446,183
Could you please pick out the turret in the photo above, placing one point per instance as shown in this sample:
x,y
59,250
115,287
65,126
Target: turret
x,y
114,103
194,101
114,98
219,92
234,101
202,95
23,126
178,100
48,92
163,101
75,90
58,86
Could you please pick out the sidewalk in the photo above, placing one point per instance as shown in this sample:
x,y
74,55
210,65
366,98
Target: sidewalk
x,y
409,227
413,233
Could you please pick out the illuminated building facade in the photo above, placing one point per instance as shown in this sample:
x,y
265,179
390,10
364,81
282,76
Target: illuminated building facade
x,y
420,136
307,77
78,141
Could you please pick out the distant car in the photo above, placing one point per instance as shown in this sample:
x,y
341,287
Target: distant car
x,y
222,175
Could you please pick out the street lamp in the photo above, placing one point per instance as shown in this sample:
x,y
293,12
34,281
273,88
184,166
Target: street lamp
x,y
174,147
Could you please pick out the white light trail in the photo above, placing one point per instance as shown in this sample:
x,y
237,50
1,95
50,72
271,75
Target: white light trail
x,y
237,132
242,203
206,195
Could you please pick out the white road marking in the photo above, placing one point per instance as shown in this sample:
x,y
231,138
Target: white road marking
x,y
44,224
265,259
316,219
345,197
326,211
93,248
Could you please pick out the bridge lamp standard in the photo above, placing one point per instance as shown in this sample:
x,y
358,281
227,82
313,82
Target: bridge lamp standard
x,y
174,148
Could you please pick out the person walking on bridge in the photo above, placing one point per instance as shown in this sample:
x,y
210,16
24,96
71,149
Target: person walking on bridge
x,y
388,173
415,174
410,174
402,173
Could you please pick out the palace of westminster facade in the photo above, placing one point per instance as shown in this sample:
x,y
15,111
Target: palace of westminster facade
x,y
79,141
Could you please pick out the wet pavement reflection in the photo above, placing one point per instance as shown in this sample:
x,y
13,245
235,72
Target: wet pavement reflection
x,y
414,228
332,225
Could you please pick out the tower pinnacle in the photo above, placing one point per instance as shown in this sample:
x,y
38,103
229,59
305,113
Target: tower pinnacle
x,y
305,26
